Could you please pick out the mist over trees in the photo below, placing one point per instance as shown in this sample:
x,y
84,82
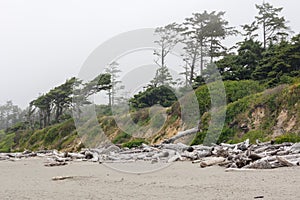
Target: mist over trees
x,y
274,27
268,54
113,70
10,114
271,61
56,105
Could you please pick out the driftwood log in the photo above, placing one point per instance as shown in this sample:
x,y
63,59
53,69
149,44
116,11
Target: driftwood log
x,y
209,161
55,164
58,178
182,134
235,157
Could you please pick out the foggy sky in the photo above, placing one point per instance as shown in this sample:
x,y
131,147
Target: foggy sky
x,y
42,43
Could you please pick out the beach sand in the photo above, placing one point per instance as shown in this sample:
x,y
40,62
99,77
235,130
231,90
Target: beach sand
x,y
30,179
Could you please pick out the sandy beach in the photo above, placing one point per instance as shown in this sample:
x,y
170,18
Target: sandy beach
x,y
30,179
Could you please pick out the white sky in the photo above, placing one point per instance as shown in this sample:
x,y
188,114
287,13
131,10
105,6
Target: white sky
x,y
44,42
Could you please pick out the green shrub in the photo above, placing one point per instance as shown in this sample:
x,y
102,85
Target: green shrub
x,y
37,136
2,134
237,107
135,143
121,138
236,90
51,135
66,128
226,134
199,138
161,95
288,137
254,135
7,143
16,127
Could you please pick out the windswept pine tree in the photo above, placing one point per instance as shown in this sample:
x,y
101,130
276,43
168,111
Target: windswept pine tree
x,y
274,27
168,38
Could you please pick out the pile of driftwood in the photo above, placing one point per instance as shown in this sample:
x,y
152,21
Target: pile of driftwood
x,y
253,156
234,156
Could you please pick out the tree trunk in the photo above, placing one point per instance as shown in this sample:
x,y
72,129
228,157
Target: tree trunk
x,y
201,57
193,67
211,50
109,98
264,34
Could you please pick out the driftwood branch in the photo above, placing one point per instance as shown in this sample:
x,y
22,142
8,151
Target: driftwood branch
x,y
236,157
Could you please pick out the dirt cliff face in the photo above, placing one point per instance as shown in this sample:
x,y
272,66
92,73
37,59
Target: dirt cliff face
x,y
257,116
271,114
285,123
275,112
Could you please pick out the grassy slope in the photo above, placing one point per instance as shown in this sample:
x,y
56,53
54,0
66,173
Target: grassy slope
x,y
235,90
272,114
252,112
59,136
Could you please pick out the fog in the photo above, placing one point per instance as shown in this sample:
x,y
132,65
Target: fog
x,y
42,43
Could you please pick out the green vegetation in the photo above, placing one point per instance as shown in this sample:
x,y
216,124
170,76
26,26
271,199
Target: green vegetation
x,y
10,114
135,143
121,138
255,116
261,81
288,137
161,95
7,143
2,134
58,136
199,138
252,136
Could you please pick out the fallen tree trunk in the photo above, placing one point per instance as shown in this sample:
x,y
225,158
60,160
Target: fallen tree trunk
x,y
182,134
285,162
209,161
259,164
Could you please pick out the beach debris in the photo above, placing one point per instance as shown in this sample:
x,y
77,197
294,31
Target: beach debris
x,y
209,161
243,155
59,178
55,164
259,197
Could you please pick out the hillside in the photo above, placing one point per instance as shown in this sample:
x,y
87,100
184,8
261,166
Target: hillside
x,y
252,112
271,114
261,98
59,136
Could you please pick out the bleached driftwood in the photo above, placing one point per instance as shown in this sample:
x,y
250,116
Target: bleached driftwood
x,y
259,164
285,162
238,170
209,161
237,156
176,157
182,134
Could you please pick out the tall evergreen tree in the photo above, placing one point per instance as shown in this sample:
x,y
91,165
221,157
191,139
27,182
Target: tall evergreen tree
x,y
168,39
203,34
274,27
113,70
195,39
